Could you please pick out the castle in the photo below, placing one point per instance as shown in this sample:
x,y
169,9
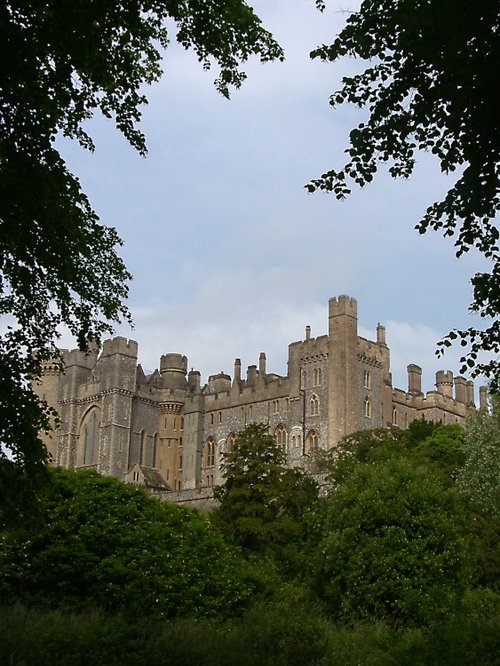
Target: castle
x,y
167,431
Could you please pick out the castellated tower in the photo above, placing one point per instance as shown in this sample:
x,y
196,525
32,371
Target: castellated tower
x,y
171,398
343,380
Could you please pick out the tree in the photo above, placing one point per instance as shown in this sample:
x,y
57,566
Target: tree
x,y
102,544
431,86
479,477
261,502
394,547
62,62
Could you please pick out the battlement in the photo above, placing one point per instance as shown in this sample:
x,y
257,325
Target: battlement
x,y
119,345
174,363
343,305
77,358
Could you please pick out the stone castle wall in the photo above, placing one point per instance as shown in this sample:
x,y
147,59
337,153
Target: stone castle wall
x,y
113,417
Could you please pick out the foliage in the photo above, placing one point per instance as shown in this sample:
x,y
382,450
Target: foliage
x,y
262,502
394,548
430,85
444,449
479,477
103,544
62,62
296,632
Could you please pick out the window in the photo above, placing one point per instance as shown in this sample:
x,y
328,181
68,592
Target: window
x,y
317,377
287,404
281,437
276,406
312,441
141,448
303,379
368,408
89,438
230,442
367,379
211,419
210,452
314,405
395,416
220,417
155,450
182,423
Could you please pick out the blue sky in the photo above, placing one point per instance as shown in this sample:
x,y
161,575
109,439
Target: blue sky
x,y
230,255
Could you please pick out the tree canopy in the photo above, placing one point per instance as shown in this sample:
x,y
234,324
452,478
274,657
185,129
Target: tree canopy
x,y
99,543
61,63
431,85
262,501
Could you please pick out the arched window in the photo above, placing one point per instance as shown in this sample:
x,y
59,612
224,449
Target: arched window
x,y
368,408
367,379
312,441
210,452
230,442
317,377
303,379
89,437
395,416
281,437
314,405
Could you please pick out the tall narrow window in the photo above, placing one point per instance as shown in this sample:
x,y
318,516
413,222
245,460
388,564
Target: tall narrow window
x,y
312,441
281,436
314,405
141,448
230,442
394,416
367,379
210,452
368,408
89,438
155,450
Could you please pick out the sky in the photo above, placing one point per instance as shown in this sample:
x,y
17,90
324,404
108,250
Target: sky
x,y
230,255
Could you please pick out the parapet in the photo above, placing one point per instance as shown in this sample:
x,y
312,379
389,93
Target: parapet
x,y
120,345
77,358
343,305
174,362
444,382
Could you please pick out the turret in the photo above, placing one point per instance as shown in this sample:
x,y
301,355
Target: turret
x,y
173,369
444,382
